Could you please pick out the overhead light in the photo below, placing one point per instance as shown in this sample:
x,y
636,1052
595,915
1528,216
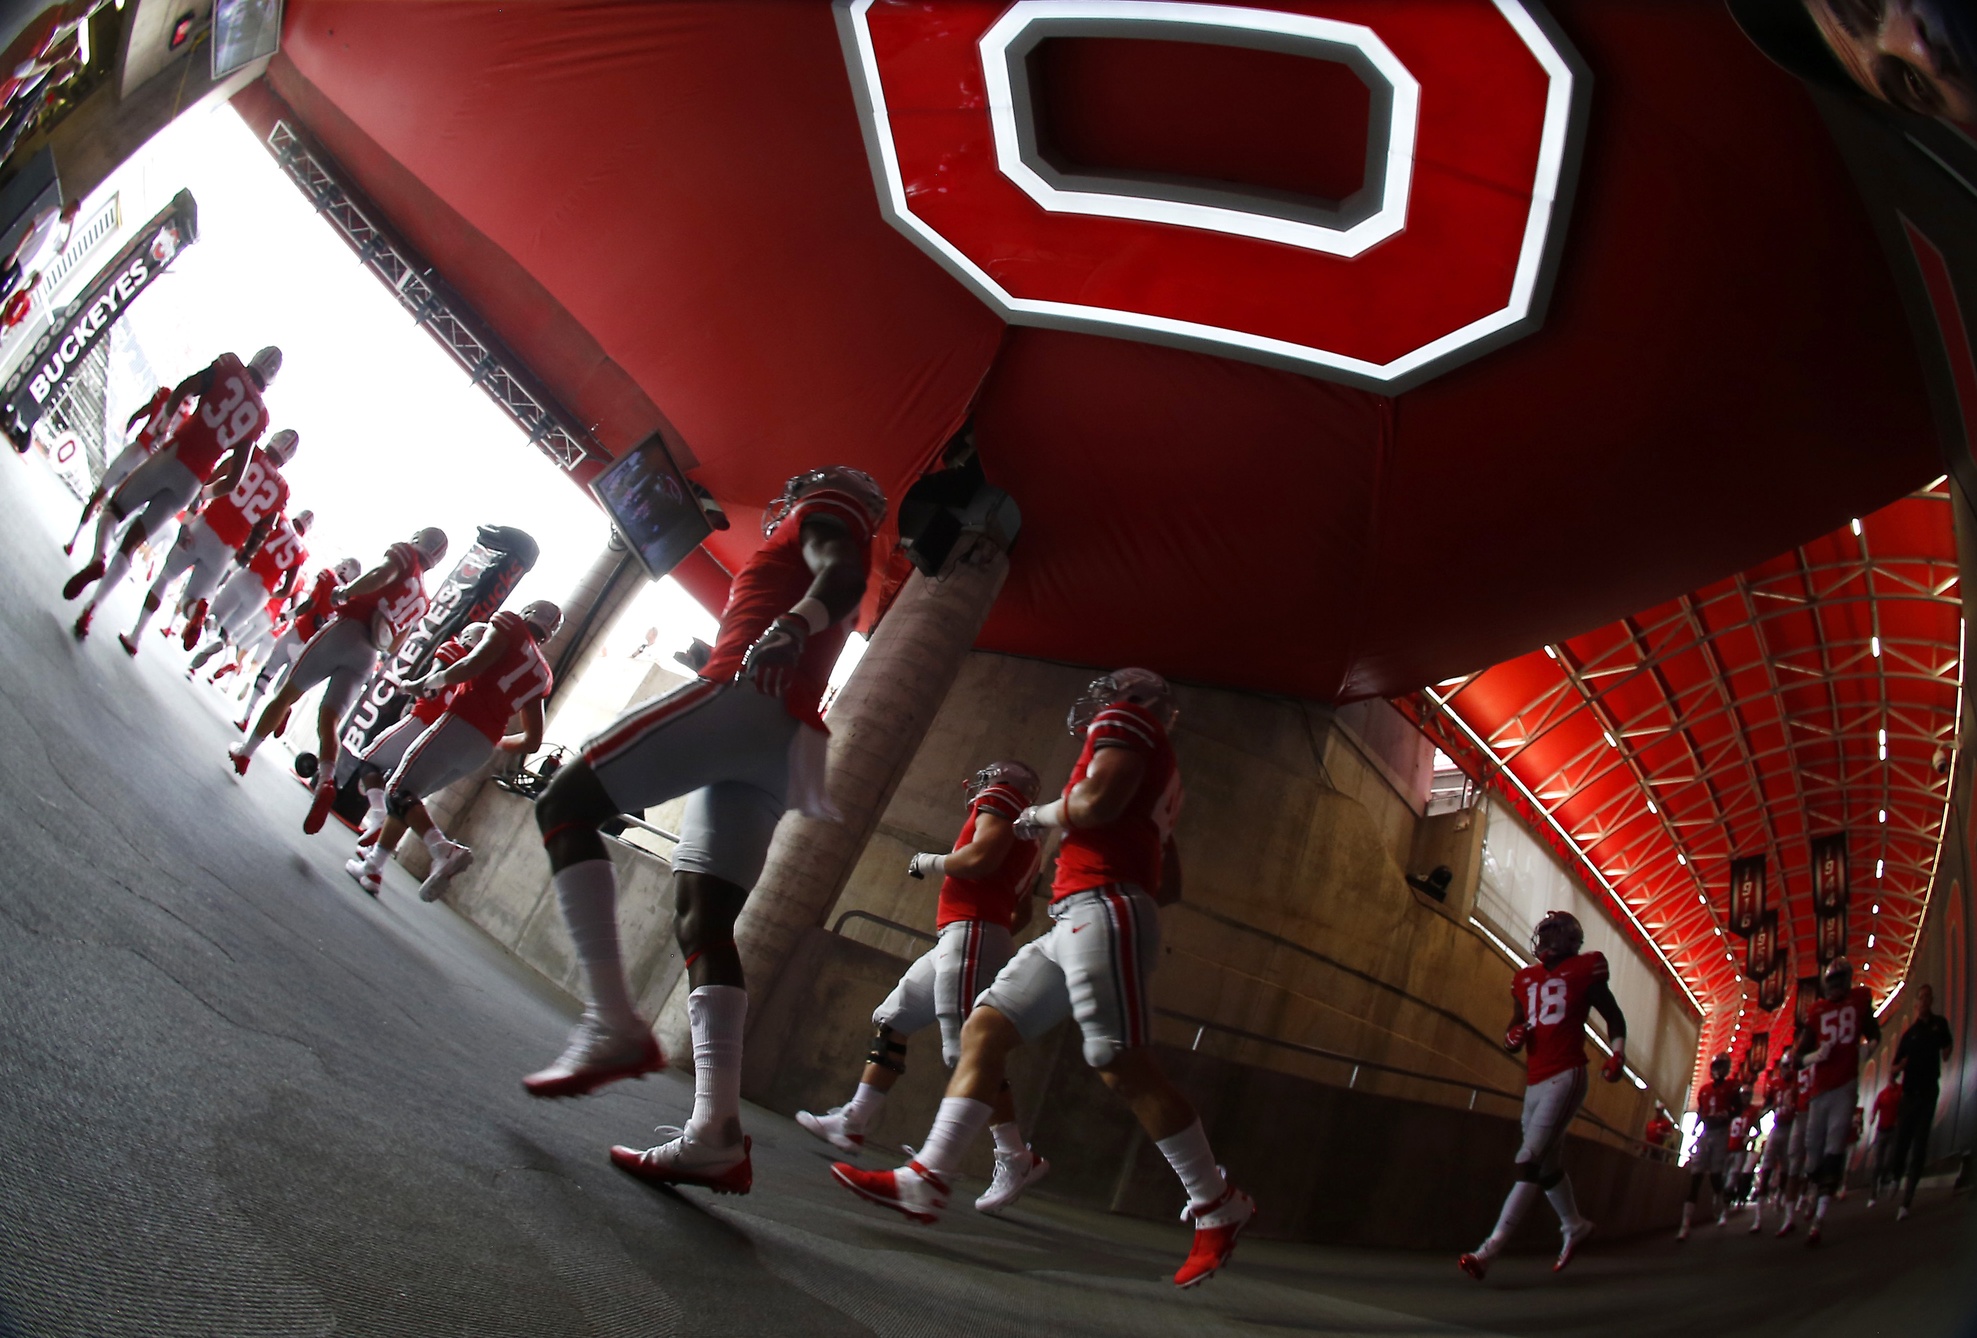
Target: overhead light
x,y
1856,525
1877,646
1549,651
1880,867
1884,745
1870,943
82,42
1680,858
1884,815
1875,909
1651,808
1609,739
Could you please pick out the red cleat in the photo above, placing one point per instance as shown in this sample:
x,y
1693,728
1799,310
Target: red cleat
x,y
319,804
194,625
1812,1235
912,1191
130,647
1475,1265
597,1055
1215,1230
81,628
80,581
681,1161
239,760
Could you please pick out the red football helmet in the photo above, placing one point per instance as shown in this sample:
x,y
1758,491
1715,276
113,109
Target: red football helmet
x,y
1557,937
855,484
1142,687
1014,774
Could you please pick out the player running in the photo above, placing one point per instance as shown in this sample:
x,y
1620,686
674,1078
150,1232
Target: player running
x,y
984,901
240,612
1919,1057
313,608
743,741
215,441
154,430
1839,1023
224,537
370,615
1549,1002
503,675
1717,1105
1117,814
1774,1173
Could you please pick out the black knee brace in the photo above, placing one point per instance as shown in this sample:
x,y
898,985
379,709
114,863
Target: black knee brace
x,y
887,1052
1527,1171
400,802
575,798
1550,1182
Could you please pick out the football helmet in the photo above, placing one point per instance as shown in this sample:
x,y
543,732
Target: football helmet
x,y
1142,687
282,445
431,543
265,364
1719,1067
1014,774
1837,978
543,617
348,570
302,520
854,484
1557,937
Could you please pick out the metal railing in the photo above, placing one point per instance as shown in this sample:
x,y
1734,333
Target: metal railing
x,y
880,920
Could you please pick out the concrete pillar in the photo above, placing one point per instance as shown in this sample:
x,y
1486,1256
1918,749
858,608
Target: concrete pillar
x,y
878,720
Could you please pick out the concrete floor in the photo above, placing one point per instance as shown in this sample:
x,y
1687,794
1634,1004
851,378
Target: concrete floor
x,y
240,1098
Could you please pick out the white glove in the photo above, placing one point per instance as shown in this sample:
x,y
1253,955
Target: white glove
x,y
926,864
1819,1056
1034,821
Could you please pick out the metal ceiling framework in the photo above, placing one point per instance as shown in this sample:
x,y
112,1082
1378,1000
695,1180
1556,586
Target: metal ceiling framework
x,y
1815,693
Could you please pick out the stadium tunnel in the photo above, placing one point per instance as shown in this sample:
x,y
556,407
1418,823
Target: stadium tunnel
x,y
1537,440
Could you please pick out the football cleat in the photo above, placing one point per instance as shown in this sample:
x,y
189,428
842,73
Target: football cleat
x,y
1216,1227
367,878
239,760
1756,1223
1785,1230
1573,1240
832,1128
319,805
1683,1234
80,581
683,1161
1014,1173
69,548
194,624
597,1055
912,1191
1812,1235
130,647
81,628
1901,1212
1476,1266
453,858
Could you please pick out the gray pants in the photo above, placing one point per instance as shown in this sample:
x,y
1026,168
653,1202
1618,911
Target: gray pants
x,y
943,984
450,749
204,558
1094,964
1548,1110
340,654
155,493
1828,1122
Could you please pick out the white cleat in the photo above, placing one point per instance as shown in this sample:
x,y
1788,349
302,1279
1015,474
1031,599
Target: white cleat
x,y
1901,1212
684,1160
832,1127
597,1055
367,878
1014,1173
453,858
1574,1238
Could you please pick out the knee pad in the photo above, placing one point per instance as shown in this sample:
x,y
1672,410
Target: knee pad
x,y
887,1051
1550,1182
1527,1171
400,802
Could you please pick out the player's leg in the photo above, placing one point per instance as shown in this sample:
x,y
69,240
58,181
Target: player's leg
x,y
908,1009
971,954
187,555
280,656
377,836
339,641
146,503
1825,1152
447,753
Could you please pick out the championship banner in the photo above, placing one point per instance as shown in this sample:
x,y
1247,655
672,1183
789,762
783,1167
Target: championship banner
x,y
1746,894
61,349
1808,991
1760,1051
1831,935
1829,873
471,593
1771,990
1761,948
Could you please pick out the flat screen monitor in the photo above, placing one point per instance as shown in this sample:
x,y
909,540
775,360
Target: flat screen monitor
x,y
653,506
244,31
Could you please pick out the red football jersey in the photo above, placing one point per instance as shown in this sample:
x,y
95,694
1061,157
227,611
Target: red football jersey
x,y
261,492
230,414
1781,1094
151,431
1803,1088
994,895
1717,1102
429,709
316,609
1553,1002
1130,848
1839,1022
402,601
520,676
771,583
1886,1106
281,550
1739,1128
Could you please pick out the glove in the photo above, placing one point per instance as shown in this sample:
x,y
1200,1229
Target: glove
x,y
1819,1056
1612,1069
1514,1038
1036,820
925,864
338,595
771,661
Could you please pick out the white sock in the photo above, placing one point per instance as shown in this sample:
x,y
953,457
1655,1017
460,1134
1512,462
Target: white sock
x,y
115,572
1516,1203
1194,1162
247,745
588,893
862,1111
375,857
144,612
958,1123
1008,1137
434,839
374,816
716,1014
1565,1204
1819,1213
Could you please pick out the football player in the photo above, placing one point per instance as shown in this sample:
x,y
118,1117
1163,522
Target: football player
x,y
1116,866
215,441
223,538
504,675
1735,1188
984,901
153,430
1549,1002
369,616
1717,1104
1841,1021
240,613
1774,1175
743,741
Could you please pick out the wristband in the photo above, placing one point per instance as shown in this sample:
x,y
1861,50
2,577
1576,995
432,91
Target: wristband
x,y
1050,814
814,614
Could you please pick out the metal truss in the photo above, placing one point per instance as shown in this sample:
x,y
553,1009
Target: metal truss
x,y
434,305
1809,695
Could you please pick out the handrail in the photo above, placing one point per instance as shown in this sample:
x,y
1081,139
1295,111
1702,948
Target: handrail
x,y
645,826
881,921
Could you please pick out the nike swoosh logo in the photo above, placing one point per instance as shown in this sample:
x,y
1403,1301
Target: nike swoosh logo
x,y
1077,928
